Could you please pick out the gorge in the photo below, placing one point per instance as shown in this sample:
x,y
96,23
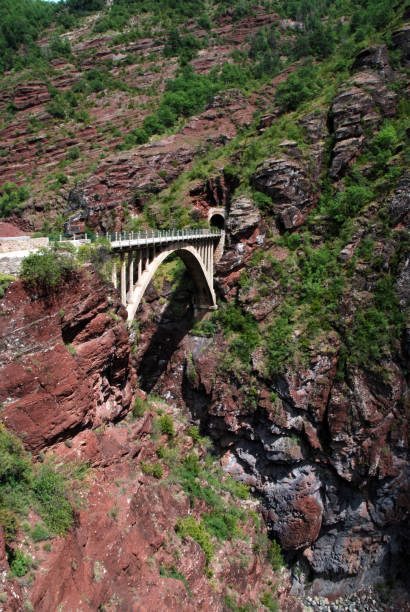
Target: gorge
x,y
247,458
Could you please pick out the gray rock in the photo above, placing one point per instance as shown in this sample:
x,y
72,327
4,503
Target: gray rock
x,y
243,217
401,39
287,183
376,58
398,204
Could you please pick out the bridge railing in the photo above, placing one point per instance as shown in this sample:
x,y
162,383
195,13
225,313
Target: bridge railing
x,y
143,236
151,235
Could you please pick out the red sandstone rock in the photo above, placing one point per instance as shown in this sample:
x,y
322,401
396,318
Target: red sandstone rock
x,y
125,533
48,391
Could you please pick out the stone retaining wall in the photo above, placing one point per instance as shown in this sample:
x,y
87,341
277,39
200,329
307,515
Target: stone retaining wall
x,y
23,243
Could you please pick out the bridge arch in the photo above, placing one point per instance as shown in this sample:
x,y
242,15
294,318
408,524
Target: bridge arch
x,y
196,262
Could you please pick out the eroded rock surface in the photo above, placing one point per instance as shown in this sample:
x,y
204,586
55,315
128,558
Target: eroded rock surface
x,y
286,182
361,105
65,360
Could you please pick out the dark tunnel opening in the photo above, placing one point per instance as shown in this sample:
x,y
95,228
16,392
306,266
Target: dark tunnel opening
x,y
218,221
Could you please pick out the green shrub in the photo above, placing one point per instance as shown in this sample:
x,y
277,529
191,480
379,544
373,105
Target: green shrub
x,y
275,555
99,254
191,464
73,153
221,524
386,138
204,328
82,115
193,432
19,563
40,532
269,601
46,269
21,488
50,489
188,527
244,331
166,425
347,204
278,344
237,489
152,469
60,46
12,199
301,85
9,523
139,407
14,465
57,107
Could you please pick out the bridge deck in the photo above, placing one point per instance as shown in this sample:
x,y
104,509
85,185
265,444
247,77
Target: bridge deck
x,y
130,239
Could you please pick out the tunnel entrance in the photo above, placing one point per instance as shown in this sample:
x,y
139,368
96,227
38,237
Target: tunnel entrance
x,y
217,220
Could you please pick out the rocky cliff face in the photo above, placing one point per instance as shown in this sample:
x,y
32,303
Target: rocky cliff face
x,y
325,449
77,338
67,378
305,395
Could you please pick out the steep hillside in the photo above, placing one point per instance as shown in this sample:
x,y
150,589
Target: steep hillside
x,y
293,118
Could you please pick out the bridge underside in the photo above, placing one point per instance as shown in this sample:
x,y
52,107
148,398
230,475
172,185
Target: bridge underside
x,y
138,266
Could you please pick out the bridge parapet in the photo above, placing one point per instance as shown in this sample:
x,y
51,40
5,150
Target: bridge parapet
x,y
154,237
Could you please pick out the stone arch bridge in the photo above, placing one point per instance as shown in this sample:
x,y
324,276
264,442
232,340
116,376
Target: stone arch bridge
x,y
141,254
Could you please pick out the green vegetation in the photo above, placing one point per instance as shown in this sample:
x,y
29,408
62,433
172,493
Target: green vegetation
x,y
40,532
23,486
172,572
19,563
99,254
12,199
139,407
48,487
300,86
152,469
203,480
21,22
268,600
166,425
189,527
5,282
242,328
275,555
44,270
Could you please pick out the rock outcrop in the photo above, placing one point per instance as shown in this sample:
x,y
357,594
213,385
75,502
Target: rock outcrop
x,y
401,39
360,106
65,362
124,550
286,182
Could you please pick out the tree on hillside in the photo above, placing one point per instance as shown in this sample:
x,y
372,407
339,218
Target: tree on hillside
x,y
84,6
